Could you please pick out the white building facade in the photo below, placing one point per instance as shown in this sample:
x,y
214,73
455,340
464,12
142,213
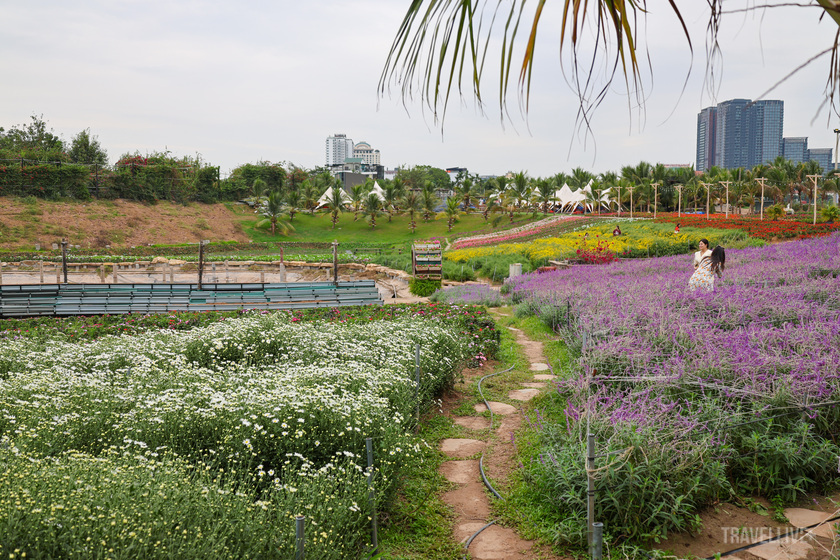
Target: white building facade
x,y
338,149
369,155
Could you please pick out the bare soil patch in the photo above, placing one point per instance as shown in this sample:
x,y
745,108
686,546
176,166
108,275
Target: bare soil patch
x,y
119,223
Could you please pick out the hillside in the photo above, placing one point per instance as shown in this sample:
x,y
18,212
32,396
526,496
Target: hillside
x,y
27,221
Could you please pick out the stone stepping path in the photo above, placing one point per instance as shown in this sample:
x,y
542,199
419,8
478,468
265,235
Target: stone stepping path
x,y
470,501
800,518
461,448
473,422
500,408
523,394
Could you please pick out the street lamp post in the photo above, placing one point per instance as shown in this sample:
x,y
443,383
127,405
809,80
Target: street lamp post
x,y
655,196
762,180
630,188
708,195
726,184
679,199
814,179
836,144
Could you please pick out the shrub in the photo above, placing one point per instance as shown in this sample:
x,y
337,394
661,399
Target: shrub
x,y
422,287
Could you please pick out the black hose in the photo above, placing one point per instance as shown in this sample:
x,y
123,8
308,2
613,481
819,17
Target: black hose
x,y
481,460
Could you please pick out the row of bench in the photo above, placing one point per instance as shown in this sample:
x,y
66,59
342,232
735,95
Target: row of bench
x,y
98,299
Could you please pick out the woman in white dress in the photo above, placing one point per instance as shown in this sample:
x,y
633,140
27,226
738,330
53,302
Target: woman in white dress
x,y
703,277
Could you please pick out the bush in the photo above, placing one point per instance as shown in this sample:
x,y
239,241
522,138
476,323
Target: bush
x,y
423,288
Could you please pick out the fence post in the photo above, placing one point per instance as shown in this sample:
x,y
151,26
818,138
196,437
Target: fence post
x,y
41,270
335,262
598,541
64,258
200,262
299,538
417,382
101,273
373,525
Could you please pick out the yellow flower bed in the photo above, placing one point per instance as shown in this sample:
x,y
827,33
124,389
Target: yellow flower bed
x,y
638,237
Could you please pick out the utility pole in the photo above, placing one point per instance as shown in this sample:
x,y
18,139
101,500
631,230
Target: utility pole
x,y
679,199
726,184
630,188
762,180
708,194
655,196
814,179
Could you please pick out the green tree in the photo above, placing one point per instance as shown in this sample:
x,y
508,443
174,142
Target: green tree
x,y
372,209
85,148
294,200
544,191
273,209
412,204
429,200
451,211
33,140
335,203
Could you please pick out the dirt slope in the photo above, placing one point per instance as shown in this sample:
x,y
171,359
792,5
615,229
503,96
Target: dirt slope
x,y
24,222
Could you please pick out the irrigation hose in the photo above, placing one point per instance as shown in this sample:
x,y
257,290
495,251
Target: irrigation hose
x,y
481,460
765,541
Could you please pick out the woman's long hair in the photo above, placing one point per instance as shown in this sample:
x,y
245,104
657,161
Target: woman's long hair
x,y
718,260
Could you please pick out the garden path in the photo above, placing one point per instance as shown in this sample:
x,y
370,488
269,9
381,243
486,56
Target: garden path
x,y
470,500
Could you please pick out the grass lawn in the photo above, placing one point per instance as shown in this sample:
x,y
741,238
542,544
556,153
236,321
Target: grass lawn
x,y
318,228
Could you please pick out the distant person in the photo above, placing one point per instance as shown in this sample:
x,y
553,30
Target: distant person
x,y
616,231
677,229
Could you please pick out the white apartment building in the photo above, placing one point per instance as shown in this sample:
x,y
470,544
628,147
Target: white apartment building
x,y
338,148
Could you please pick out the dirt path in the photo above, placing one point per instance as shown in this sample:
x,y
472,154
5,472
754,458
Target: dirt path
x,y
471,500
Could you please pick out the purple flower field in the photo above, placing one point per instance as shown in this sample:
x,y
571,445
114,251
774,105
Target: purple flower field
x,y
745,379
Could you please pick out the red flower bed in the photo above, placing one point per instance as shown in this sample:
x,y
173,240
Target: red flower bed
x,y
762,229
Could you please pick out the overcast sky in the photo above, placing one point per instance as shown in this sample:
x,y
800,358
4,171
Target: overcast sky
x,y
240,82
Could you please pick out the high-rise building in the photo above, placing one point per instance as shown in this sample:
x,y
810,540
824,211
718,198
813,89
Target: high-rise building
x,y
823,157
338,148
765,123
796,148
739,133
706,139
368,154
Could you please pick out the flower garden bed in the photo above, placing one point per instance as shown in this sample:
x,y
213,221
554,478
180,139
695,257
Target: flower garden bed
x,y
206,439
696,396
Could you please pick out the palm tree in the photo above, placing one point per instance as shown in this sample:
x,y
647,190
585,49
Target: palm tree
x,y
357,197
428,200
293,203
273,209
441,48
391,197
451,211
464,190
520,190
544,192
372,208
412,204
335,204
310,195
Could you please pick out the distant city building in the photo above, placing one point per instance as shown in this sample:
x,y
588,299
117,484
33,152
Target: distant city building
x,y
796,149
338,149
823,157
369,155
706,138
739,133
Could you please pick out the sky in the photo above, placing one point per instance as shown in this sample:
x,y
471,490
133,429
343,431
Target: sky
x,y
243,82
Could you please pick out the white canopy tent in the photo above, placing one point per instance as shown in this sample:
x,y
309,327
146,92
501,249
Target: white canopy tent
x,y
327,196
